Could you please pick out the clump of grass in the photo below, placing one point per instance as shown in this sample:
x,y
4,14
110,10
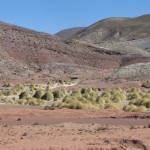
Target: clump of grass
x,y
76,93
48,96
146,103
134,95
38,94
106,94
23,95
58,94
130,108
141,109
111,106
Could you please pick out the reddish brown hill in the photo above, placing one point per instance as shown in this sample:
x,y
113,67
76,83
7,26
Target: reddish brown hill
x,y
25,52
33,47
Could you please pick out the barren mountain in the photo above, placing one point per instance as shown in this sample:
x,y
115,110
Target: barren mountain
x,y
27,53
24,51
139,70
121,29
69,32
129,35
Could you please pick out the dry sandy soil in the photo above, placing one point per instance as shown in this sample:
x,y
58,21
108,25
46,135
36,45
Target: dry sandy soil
x,y
36,129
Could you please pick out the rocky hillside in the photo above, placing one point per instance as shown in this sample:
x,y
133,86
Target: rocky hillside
x,y
121,29
26,51
69,32
129,35
134,71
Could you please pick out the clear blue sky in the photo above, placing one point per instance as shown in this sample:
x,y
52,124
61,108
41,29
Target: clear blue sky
x,y
54,15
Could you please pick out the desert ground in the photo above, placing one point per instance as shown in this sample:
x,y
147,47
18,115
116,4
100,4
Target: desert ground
x,y
31,128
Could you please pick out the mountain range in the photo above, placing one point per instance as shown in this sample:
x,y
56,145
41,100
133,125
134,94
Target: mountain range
x,y
105,45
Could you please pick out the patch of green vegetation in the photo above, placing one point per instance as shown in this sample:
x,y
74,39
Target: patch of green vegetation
x,y
48,96
38,94
131,100
58,94
24,95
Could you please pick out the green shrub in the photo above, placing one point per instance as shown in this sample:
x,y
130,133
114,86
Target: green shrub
x,y
76,93
38,94
92,99
32,102
111,106
146,103
117,98
7,92
66,98
101,105
41,102
134,96
83,91
134,89
31,86
21,102
136,102
88,91
147,95
1,94
20,87
86,95
64,91
58,94
141,109
93,94
48,96
23,95
61,82
107,100
114,92
100,100
77,105
106,94
8,85
130,108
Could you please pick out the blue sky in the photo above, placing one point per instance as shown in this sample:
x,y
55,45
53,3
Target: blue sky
x,y
54,15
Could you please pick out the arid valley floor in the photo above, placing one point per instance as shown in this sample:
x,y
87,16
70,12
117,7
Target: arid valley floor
x,y
85,88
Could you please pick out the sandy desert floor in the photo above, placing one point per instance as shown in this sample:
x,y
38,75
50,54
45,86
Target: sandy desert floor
x,y
23,128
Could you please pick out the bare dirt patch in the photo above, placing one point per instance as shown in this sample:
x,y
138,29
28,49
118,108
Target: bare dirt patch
x,y
32,128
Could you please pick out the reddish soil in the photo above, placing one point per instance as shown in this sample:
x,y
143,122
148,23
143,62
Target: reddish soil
x,y
23,128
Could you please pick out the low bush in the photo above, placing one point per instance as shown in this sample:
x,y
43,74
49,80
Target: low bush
x,y
48,96
106,94
23,95
141,109
130,108
38,94
111,106
58,94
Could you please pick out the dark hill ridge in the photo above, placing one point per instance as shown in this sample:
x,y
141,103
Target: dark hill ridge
x,y
67,33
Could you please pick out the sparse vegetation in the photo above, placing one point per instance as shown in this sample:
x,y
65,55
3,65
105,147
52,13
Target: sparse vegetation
x,y
38,94
130,100
23,95
48,96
